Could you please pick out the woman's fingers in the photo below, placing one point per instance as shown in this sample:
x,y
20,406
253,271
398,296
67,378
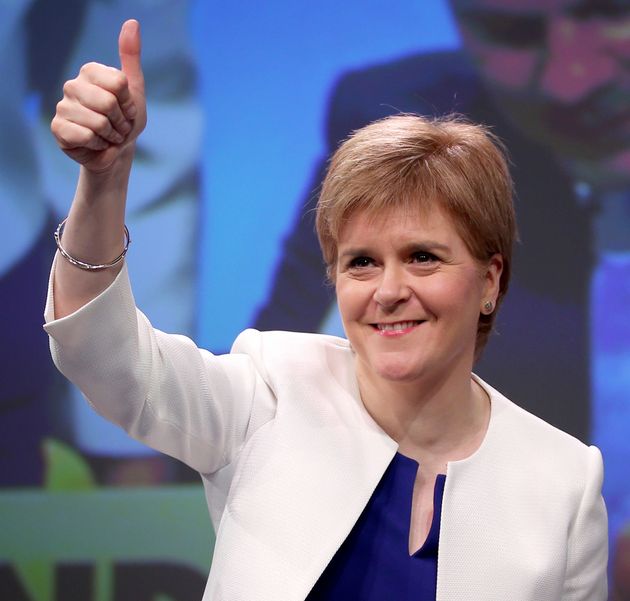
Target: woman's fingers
x,y
90,117
103,109
92,106
95,122
104,90
72,136
112,80
129,49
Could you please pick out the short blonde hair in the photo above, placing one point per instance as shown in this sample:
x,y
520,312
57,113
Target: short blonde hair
x,y
407,162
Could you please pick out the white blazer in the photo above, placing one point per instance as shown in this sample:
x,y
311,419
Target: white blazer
x,y
289,458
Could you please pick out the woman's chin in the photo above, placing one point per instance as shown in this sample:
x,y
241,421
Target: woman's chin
x,y
397,373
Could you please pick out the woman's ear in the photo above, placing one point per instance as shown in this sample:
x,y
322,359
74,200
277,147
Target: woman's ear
x,y
492,283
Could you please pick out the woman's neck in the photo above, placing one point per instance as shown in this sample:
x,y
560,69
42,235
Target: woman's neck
x,y
433,421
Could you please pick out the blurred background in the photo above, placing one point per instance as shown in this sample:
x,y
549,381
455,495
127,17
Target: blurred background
x,y
246,102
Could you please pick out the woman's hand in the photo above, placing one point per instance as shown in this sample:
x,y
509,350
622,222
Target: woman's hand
x,y
103,110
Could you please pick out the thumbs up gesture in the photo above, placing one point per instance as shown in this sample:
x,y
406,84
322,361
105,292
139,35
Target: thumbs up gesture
x,y
103,110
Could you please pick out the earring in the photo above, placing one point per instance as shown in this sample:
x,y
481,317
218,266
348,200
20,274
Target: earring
x,y
488,307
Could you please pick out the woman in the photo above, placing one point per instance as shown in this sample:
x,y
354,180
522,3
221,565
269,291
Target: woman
x,y
373,468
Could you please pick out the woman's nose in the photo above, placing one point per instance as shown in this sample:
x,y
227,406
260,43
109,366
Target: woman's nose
x,y
392,288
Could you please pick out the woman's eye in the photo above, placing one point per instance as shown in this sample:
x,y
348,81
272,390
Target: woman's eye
x,y
423,257
359,262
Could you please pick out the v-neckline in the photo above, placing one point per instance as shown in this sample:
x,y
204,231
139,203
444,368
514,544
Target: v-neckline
x,y
432,537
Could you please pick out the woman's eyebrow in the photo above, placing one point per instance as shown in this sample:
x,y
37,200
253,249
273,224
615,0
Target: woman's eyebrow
x,y
355,251
427,245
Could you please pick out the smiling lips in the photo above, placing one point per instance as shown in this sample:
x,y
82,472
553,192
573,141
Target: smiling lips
x,y
395,329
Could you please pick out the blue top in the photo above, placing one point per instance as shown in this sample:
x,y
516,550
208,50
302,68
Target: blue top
x,y
374,562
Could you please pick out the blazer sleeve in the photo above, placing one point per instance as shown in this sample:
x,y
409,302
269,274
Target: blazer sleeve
x,y
161,388
587,556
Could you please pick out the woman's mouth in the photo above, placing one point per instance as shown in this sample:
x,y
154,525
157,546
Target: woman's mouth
x,y
396,328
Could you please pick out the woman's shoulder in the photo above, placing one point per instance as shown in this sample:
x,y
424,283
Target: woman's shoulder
x,y
296,352
529,441
279,340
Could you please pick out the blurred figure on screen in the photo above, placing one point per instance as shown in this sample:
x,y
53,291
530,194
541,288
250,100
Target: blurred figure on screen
x,y
558,70
35,185
552,77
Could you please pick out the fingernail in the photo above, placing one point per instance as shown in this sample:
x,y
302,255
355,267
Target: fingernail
x,y
125,127
131,111
131,25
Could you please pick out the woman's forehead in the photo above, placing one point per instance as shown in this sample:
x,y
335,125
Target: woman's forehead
x,y
404,207
406,221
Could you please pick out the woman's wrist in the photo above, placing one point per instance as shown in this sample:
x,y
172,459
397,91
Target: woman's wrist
x,y
94,229
114,178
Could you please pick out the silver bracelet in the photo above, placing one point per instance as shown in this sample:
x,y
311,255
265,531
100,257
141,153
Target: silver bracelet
x,y
83,264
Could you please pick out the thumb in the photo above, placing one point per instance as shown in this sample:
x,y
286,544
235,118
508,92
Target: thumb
x,y
129,51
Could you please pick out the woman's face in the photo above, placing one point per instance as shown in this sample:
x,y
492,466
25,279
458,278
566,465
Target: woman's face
x,y
410,294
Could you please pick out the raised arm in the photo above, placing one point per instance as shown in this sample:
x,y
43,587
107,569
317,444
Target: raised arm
x,y
97,122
